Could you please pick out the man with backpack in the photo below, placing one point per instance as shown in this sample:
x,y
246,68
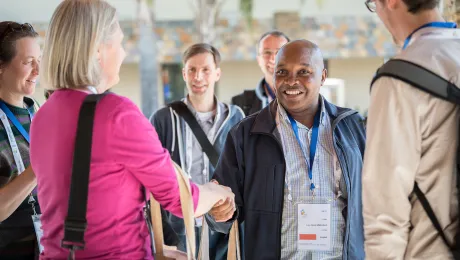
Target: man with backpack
x,y
194,130
252,101
410,203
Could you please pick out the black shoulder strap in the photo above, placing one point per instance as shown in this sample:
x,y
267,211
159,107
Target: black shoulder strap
x,y
425,80
75,222
429,211
421,78
248,101
183,111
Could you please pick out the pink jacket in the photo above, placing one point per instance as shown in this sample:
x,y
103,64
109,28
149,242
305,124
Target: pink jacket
x,y
126,155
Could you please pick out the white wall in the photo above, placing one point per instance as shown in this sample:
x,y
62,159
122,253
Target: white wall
x,y
357,74
236,77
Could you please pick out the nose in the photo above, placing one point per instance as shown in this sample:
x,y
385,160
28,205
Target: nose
x,y
291,79
199,75
36,69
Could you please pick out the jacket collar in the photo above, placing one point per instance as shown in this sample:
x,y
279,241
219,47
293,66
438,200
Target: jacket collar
x,y
265,121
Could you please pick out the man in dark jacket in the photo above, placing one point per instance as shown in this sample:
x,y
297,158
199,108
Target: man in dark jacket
x,y
252,101
295,168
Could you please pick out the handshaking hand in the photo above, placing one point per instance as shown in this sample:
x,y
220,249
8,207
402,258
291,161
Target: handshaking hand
x,y
223,210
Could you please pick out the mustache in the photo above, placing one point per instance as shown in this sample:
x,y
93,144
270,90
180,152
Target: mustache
x,y
286,87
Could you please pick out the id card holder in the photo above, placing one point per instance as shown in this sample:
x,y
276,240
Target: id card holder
x,y
314,226
38,230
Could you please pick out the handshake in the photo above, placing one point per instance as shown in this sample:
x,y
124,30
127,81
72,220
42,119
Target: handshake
x,y
216,200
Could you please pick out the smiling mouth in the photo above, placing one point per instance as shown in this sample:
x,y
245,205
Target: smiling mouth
x,y
292,92
30,81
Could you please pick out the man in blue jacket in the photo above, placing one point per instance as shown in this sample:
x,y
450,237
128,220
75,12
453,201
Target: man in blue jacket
x,y
295,168
201,72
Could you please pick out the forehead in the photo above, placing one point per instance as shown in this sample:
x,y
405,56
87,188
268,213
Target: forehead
x,y
295,55
27,46
200,60
272,42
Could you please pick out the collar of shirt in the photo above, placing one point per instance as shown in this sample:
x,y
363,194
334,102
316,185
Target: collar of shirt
x,y
217,112
283,114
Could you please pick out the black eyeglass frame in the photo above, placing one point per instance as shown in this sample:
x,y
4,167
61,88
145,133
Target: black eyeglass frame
x,y
370,4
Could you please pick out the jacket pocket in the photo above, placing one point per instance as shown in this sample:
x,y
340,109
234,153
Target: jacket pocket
x,y
265,192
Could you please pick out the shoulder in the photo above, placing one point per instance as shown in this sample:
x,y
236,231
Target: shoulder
x,y
236,111
161,114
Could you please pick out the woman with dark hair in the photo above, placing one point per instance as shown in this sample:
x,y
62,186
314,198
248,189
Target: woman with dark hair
x,y
19,68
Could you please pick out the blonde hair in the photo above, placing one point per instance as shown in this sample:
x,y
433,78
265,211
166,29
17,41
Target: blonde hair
x,y
76,30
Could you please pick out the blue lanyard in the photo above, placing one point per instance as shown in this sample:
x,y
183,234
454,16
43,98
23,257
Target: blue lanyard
x,y
313,143
433,24
15,121
270,91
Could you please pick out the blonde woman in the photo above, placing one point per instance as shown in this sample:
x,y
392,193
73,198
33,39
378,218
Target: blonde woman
x,y
83,54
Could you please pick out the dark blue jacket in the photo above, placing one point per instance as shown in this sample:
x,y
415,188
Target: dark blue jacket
x,y
253,166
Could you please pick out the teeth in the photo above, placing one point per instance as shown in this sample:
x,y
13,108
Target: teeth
x,y
292,92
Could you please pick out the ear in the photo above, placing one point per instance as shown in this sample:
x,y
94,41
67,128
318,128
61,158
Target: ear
x,y
183,74
323,76
393,4
218,74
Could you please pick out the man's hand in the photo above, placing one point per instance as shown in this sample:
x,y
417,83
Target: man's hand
x,y
224,209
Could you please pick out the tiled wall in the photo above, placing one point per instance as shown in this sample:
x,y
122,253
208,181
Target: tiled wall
x,y
338,37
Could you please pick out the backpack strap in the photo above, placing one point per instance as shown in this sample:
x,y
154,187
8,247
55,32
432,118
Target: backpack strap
x,y
427,81
421,78
183,111
75,222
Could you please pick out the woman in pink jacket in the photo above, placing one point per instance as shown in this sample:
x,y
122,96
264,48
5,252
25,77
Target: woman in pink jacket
x,y
83,54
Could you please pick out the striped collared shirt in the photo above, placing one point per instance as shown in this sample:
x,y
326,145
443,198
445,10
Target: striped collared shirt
x,y
327,177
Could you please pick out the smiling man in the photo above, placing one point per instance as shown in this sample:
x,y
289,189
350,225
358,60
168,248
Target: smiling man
x,y
212,118
295,168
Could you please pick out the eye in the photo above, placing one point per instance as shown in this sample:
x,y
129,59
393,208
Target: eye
x,y
281,72
304,72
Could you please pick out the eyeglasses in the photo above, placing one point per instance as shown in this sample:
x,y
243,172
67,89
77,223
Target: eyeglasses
x,y
14,27
370,4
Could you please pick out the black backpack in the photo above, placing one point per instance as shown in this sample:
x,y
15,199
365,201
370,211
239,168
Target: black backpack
x,y
425,80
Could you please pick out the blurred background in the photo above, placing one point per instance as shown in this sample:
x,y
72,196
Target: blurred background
x,y
353,40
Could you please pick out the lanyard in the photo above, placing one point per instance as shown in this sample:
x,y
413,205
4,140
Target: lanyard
x,y
15,121
5,114
448,25
313,143
270,91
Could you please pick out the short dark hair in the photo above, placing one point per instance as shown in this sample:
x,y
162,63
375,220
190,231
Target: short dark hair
x,y
10,32
415,6
200,48
274,33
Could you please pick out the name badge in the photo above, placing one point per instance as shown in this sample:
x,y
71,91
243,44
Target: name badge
x,y
314,227
38,230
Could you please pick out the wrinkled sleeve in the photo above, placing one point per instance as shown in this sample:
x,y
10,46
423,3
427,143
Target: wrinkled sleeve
x,y
136,146
391,159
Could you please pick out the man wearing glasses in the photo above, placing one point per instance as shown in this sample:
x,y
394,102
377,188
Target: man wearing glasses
x,y
252,101
412,138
